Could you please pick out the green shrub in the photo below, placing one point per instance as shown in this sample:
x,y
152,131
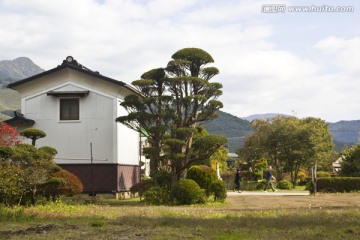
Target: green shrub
x,y
284,184
248,185
187,191
163,179
228,178
142,186
257,175
321,174
203,176
338,184
218,188
310,187
260,184
156,195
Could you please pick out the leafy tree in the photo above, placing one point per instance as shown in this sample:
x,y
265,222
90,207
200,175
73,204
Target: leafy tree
x,y
35,165
8,135
289,143
33,134
350,165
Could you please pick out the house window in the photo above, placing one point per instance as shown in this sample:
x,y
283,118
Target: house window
x,y
69,109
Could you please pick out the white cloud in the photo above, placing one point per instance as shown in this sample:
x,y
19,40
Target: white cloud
x,y
122,39
346,52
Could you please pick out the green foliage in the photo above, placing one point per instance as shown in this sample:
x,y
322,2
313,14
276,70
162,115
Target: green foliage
x,y
156,195
338,184
187,191
321,174
172,102
218,188
260,184
350,166
310,187
28,169
284,184
5,152
203,176
289,143
33,134
142,186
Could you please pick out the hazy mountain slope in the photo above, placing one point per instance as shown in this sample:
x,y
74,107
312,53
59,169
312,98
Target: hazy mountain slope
x,y
19,68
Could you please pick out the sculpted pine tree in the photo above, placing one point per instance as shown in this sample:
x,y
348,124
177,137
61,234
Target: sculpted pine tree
x,y
149,112
193,99
173,100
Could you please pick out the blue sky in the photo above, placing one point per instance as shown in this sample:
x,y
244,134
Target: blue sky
x,y
296,63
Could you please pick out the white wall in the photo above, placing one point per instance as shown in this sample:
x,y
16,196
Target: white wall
x,y
128,145
72,139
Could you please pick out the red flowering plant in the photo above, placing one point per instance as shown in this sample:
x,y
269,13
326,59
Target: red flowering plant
x,y
8,135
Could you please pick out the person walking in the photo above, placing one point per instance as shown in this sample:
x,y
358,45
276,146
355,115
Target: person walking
x,y
237,180
269,177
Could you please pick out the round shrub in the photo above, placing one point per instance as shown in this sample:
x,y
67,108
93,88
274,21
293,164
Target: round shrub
x,y
284,184
218,188
203,176
73,184
187,191
156,195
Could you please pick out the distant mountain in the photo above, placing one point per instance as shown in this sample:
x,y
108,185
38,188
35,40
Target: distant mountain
x,y
12,71
263,116
19,68
346,132
232,127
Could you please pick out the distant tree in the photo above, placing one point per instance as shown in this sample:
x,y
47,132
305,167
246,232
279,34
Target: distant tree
x,y
33,134
8,135
350,165
289,143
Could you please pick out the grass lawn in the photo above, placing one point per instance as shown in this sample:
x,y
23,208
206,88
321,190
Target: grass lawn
x,y
324,216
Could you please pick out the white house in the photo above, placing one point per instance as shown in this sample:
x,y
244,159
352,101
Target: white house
x,y
77,108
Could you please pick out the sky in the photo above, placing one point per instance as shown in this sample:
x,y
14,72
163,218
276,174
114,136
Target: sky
x,y
295,57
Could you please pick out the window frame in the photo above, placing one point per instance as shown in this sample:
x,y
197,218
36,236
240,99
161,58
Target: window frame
x,y
78,113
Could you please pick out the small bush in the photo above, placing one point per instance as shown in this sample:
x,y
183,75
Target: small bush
x,y
142,186
203,176
218,188
284,184
156,195
187,191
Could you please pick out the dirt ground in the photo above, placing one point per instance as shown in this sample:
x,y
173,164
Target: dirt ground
x,y
268,202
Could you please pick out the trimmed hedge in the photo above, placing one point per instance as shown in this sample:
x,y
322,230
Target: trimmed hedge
x,y
338,184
